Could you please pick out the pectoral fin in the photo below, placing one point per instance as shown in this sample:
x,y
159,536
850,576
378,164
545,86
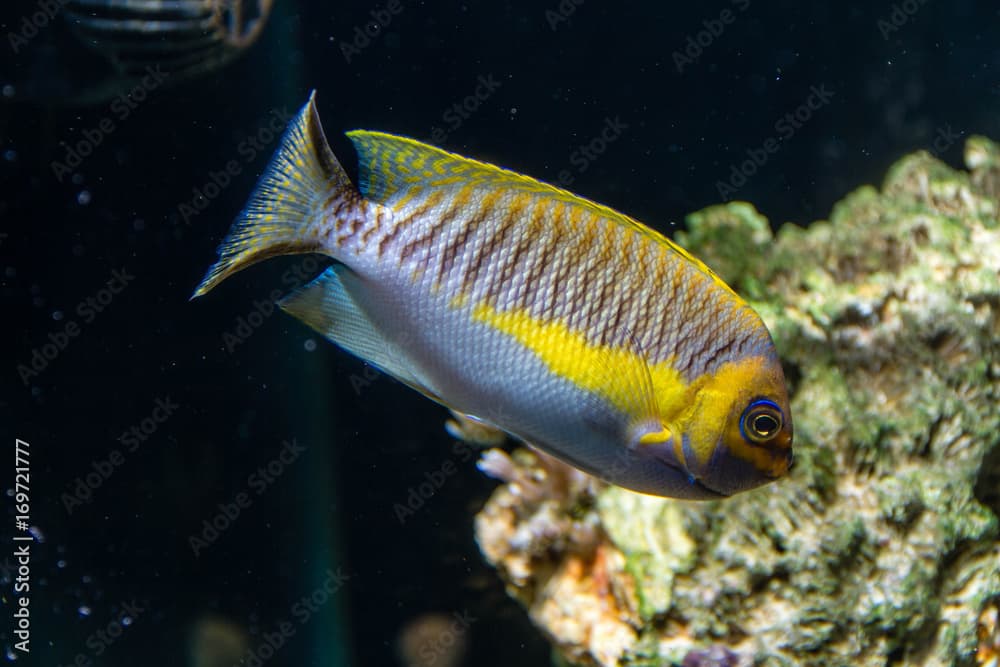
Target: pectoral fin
x,y
651,437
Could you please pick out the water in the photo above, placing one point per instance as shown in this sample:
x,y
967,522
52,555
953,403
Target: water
x,y
166,520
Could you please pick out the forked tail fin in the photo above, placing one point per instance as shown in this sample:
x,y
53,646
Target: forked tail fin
x,y
284,214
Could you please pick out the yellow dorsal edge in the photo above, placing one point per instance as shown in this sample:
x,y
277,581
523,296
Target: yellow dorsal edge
x,y
494,174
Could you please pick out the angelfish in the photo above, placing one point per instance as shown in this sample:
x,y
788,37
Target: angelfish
x,y
564,323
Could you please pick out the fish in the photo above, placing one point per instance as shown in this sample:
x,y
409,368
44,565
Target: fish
x,y
98,50
562,322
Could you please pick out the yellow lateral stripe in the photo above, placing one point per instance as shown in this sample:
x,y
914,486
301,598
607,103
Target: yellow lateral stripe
x,y
608,372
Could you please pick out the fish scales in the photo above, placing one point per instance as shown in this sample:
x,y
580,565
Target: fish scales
x,y
559,320
520,251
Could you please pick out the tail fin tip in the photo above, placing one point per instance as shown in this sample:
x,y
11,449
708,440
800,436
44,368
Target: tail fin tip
x,y
289,197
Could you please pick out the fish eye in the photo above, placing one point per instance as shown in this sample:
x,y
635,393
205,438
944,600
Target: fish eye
x,y
761,421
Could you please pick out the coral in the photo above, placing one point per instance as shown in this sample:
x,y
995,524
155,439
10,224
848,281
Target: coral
x,y
713,656
881,546
988,653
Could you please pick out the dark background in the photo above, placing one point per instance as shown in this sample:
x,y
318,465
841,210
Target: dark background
x,y
937,75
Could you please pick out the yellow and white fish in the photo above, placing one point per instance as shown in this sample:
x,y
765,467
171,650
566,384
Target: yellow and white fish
x,y
560,321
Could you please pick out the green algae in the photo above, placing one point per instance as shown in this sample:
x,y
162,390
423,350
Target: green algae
x,y
882,546
887,318
655,543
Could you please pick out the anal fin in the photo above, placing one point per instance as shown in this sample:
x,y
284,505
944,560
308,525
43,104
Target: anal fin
x,y
328,306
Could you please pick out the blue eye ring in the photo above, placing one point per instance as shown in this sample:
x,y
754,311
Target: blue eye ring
x,y
761,421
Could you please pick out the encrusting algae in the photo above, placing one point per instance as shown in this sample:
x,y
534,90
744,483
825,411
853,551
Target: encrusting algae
x,y
881,547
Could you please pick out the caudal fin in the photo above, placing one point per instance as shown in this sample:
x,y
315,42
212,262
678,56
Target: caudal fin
x,y
284,214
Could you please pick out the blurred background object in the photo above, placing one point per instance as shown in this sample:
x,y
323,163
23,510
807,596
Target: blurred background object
x,y
84,52
217,642
434,640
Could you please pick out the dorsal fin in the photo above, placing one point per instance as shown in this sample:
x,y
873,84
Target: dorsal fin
x,y
390,165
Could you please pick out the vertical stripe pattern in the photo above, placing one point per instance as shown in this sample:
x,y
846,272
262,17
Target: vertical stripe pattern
x,y
561,262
